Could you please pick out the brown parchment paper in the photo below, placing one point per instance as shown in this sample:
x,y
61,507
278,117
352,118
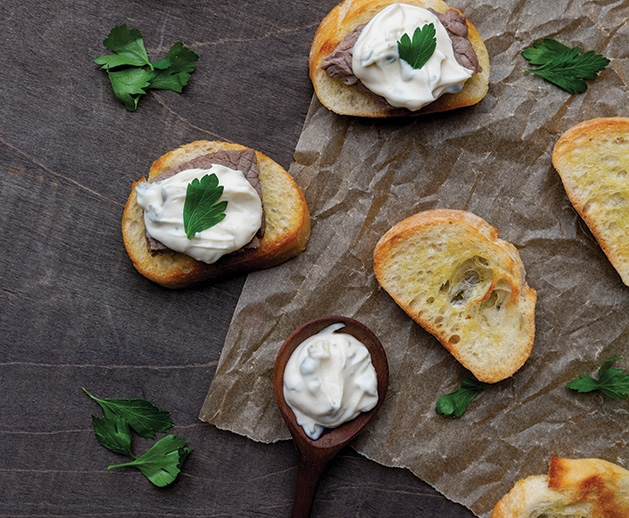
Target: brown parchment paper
x,y
362,176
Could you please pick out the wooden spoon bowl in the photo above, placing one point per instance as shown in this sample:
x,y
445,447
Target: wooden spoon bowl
x,y
314,455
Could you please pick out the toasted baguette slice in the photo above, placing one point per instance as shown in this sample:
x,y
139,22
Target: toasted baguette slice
x,y
592,159
573,488
346,100
450,272
286,234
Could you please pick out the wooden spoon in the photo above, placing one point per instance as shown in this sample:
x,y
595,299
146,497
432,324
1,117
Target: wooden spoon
x,y
314,455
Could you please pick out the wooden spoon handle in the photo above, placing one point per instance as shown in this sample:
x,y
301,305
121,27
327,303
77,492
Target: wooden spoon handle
x,y
309,472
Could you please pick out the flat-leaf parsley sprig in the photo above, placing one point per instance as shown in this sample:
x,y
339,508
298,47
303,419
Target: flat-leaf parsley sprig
x,y
202,208
564,66
162,462
455,403
418,51
612,382
131,72
143,416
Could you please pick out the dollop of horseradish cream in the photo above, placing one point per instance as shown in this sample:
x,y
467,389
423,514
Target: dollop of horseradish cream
x,y
163,202
329,380
376,61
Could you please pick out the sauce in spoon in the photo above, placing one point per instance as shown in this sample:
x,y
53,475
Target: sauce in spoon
x,y
314,455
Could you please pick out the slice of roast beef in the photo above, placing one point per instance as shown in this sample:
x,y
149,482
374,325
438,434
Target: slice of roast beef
x,y
457,29
338,64
239,160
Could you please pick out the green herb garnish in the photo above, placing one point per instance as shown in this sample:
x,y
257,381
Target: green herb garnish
x,y
611,382
113,433
417,52
173,72
129,85
131,72
202,208
162,462
455,403
128,46
564,66
143,416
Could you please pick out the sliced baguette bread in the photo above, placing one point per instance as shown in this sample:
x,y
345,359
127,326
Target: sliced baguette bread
x,y
346,99
573,488
452,274
286,232
592,159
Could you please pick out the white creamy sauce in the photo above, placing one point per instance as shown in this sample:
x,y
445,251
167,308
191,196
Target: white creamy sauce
x,y
329,380
163,203
376,61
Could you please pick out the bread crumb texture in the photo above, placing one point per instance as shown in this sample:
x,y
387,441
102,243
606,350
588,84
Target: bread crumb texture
x,y
573,488
452,274
592,159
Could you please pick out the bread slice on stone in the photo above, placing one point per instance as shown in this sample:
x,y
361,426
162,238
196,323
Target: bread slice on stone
x,y
573,488
452,274
346,99
592,159
286,234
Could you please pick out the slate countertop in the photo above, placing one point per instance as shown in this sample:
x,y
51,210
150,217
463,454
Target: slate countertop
x,y
73,311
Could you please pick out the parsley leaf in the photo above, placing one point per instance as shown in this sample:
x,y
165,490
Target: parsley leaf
x,y
202,210
564,66
418,51
131,72
129,85
611,381
541,53
162,462
128,46
173,72
113,433
455,403
143,416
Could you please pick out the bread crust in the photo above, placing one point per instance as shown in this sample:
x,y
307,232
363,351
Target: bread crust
x,y
592,159
286,234
573,488
453,275
347,100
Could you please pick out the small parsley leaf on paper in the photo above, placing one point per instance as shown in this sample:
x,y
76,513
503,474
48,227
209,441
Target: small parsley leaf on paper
x,y
202,208
131,73
612,382
417,52
162,462
143,416
564,66
456,403
113,433
542,53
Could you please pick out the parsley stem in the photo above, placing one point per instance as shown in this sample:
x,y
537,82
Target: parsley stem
x,y
122,465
